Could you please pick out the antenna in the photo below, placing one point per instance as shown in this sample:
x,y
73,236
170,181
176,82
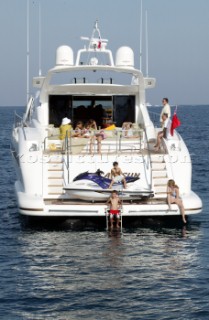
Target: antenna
x,y
39,39
28,53
140,61
146,43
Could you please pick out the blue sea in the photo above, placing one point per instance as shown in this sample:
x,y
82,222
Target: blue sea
x,y
152,272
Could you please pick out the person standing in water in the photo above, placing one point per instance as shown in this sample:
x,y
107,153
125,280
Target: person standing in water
x,y
114,202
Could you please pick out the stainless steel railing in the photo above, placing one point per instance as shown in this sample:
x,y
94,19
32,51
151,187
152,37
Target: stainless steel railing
x,y
18,121
114,141
149,161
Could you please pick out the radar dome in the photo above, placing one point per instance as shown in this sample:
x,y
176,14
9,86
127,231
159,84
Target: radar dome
x,y
124,57
64,56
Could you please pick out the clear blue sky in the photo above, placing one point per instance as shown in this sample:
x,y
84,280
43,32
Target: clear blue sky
x,y
178,42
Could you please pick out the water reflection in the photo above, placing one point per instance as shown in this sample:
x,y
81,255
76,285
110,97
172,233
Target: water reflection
x,y
114,249
158,272
70,274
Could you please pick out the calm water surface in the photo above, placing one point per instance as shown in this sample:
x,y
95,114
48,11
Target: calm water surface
x,y
147,273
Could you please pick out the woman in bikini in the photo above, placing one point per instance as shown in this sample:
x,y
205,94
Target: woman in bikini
x,y
98,136
173,197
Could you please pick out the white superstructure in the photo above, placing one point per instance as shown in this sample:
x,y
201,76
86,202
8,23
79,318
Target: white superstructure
x,y
93,84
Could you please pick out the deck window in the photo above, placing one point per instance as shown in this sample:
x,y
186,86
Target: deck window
x,y
124,109
103,109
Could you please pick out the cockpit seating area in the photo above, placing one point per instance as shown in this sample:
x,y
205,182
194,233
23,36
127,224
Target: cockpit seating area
x,y
115,141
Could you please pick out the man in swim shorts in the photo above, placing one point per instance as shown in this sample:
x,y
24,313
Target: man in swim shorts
x,y
114,202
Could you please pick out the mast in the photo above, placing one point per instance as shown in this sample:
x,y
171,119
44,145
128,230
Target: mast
x,y
140,61
39,39
146,37
28,54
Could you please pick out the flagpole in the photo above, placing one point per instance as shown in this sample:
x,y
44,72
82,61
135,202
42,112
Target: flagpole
x,y
175,123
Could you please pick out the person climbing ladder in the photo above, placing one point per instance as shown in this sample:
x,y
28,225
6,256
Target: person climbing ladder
x,y
114,203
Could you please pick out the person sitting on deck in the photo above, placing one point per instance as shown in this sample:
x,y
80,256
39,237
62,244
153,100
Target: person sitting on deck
x,y
86,133
117,175
173,197
165,133
127,129
98,136
78,130
89,127
65,128
92,124
114,202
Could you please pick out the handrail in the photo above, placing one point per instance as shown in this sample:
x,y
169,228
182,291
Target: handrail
x,y
149,157
28,112
66,165
66,146
18,120
115,139
68,162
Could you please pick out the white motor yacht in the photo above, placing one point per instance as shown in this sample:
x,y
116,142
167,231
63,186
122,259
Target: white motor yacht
x,y
70,177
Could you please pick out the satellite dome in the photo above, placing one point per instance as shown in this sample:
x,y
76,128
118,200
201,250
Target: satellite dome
x,y
124,57
64,56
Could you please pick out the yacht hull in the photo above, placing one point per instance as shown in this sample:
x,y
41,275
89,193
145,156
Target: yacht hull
x,y
106,128
34,206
